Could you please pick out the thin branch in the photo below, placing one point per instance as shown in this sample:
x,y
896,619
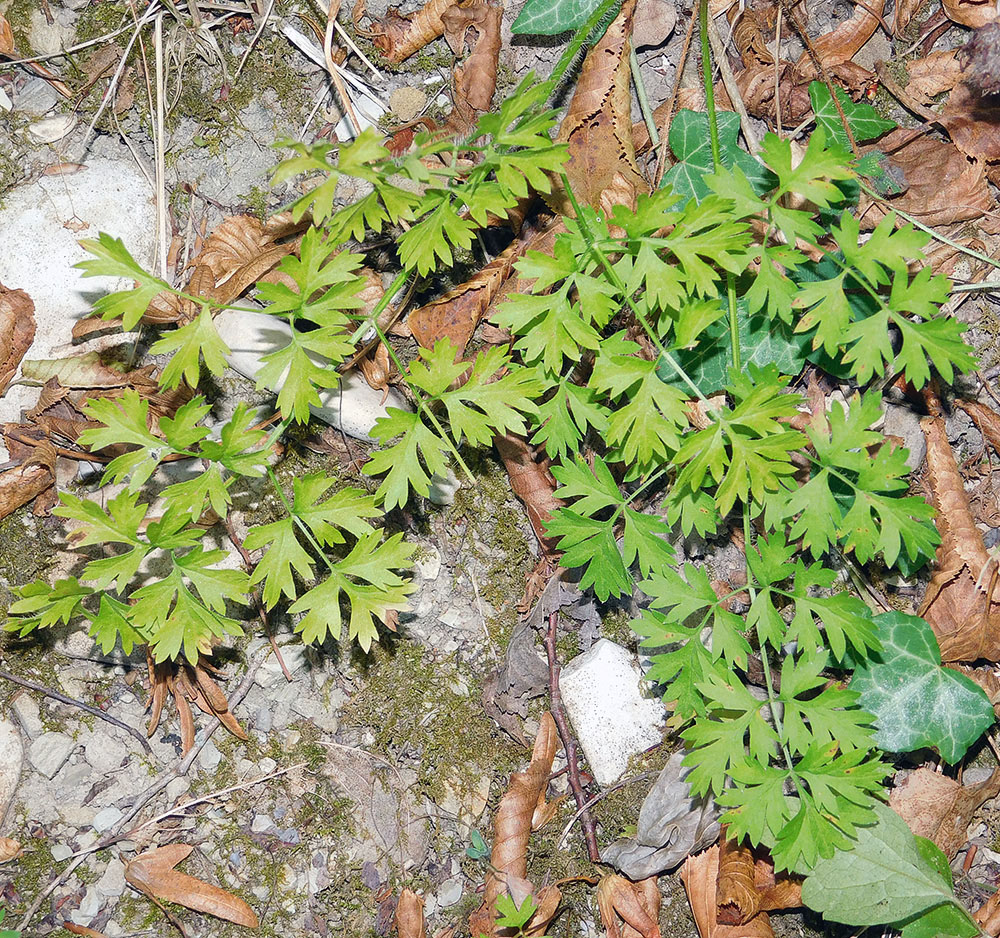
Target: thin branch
x,y
568,741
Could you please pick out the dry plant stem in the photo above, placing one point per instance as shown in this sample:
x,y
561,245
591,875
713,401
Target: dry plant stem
x,y
777,73
732,89
338,82
179,769
600,796
261,613
158,143
661,158
94,711
568,741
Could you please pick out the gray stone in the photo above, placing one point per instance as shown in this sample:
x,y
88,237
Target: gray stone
x,y
612,718
270,673
267,765
105,753
112,883
318,712
428,565
263,719
176,788
450,893
902,422
61,852
107,818
28,714
76,773
209,757
11,760
261,823
90,905
50,751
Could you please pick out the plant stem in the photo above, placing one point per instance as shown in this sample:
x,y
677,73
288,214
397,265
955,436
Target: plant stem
x,y
640,92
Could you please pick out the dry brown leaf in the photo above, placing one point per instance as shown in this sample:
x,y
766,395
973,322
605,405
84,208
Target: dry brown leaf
x,y
10,849
6,37
934,74
409,920
958,604
512,825
633,903
533,484
598,127
736,899
905,11
475,80
699,875
987,678
88,371
153,874
20,485
980,57
974,13
456,314
17,331
75,929
939,808
943,185
840,44
654,22
398,37
972,122
987,916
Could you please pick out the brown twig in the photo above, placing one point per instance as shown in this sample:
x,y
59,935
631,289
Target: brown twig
x,y
568,741
73,702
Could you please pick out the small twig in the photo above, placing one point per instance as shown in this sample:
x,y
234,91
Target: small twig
x,y
261,613
73,702
640,92
732,89
568,741
661,157
600,796
777,73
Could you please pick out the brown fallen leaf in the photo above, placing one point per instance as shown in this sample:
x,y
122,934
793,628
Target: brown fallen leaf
x,y
409,920
20,485
736,900
398,37
533,484
512,826
153,874
475,80
933,74
980,57
843,42
959,604
9,50
17,330
974,13
987,916
904,12
597,128
635,904
943,185
940,808
75,929
699,874
88,371
972,122
10,849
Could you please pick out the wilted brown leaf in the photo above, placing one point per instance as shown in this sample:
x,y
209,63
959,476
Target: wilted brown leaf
x,y
88,371
153,874
533,484
636,904
20,485
598,126
959,604
10,849
933,74
972,122
987,916
736,900
409,921
512,826
939,808
398,37
699,874
974,13
475,80
6,37
83,930
17,331
842,43
943,185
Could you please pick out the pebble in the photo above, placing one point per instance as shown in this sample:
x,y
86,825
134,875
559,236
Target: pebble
x,y
270,673
209,757
176,788
428,566
267,765
105,753
90,905
50,751
11,760
450,893
61,852
107,818
612,719
29,715
261,823
112,883
263,719
52,129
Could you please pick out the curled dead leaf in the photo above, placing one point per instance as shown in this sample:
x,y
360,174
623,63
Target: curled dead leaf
x,y
959,603
10,849
987,916
939,808
533,484
974,13
843,42
17,331
933,74
980,57
475,80
398,37
736,899
409,920
20,485
153,874
972,122
636,904
6,37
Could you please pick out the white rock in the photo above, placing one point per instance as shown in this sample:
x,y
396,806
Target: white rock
x,y
209,757
612,719
41,223
270,673
52,129
61,852
50,751
428,566
261,823
449,893
112,883
5,102
105,753
28,714
107,818
90,905
443,488
353,406
267,765
11,760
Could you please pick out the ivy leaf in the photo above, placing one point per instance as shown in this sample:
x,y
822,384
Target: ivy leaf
x,y
917,702
864,121
690,142
881,879
551,17
112,259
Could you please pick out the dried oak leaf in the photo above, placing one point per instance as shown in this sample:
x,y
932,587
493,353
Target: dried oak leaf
x,y
475,80
598,126
943,185
20,485
843,42
398,37
933,74
959,603
940,808
972,122
512,826
636,904
153,874
409,920
974,13
17,331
